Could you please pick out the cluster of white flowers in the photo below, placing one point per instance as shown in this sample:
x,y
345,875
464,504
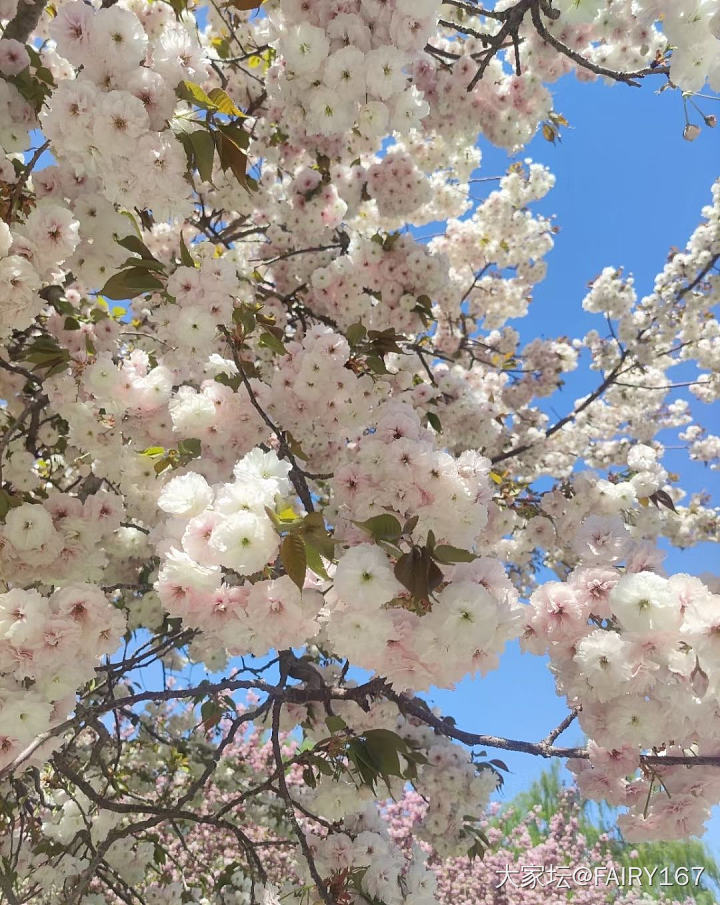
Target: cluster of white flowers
x,y
379,286
457,791
339,70
109,125
323,404
30,255
625,649
49,647
63,537
693,30
503,234
217,536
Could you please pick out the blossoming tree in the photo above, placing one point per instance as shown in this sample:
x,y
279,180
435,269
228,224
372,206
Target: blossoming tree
x,y
249,419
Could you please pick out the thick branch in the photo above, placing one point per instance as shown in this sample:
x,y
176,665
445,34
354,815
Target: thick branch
x,y
445,726
290,694
25,21
629,78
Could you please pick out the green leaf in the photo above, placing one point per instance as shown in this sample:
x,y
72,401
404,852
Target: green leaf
x,y
8,502
316,535
424,309
46,353
203,150
54,295
277,524
446,553
235,133
245,5
228,381
35,58
357,753
335,723
162,465
153,451
185,257
130,283
294,558
295,448
434,422
133,223
270,341
355,333
144,264
231,153
44,74
245,319
384,341
211,714
71,323
418,573
410,524
376,364
384,747
135,245
314,561
224,103
179,7
662,496
194,94
382,527
190,447
44,344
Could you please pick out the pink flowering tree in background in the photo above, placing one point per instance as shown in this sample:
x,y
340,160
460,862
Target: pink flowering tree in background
x,y
546,826
252,423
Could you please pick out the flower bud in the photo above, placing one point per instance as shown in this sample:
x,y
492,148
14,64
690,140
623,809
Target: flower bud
x,y
711,120
691,132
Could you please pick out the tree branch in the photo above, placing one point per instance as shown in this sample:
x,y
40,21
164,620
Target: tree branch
x,y
290,808
515,451
25,21
629,78
513,21
296,475
549,740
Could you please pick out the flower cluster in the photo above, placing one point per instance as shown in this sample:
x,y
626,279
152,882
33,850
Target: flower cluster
x,y
114,114
223,534
625,647
49,647
342,69
63,538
